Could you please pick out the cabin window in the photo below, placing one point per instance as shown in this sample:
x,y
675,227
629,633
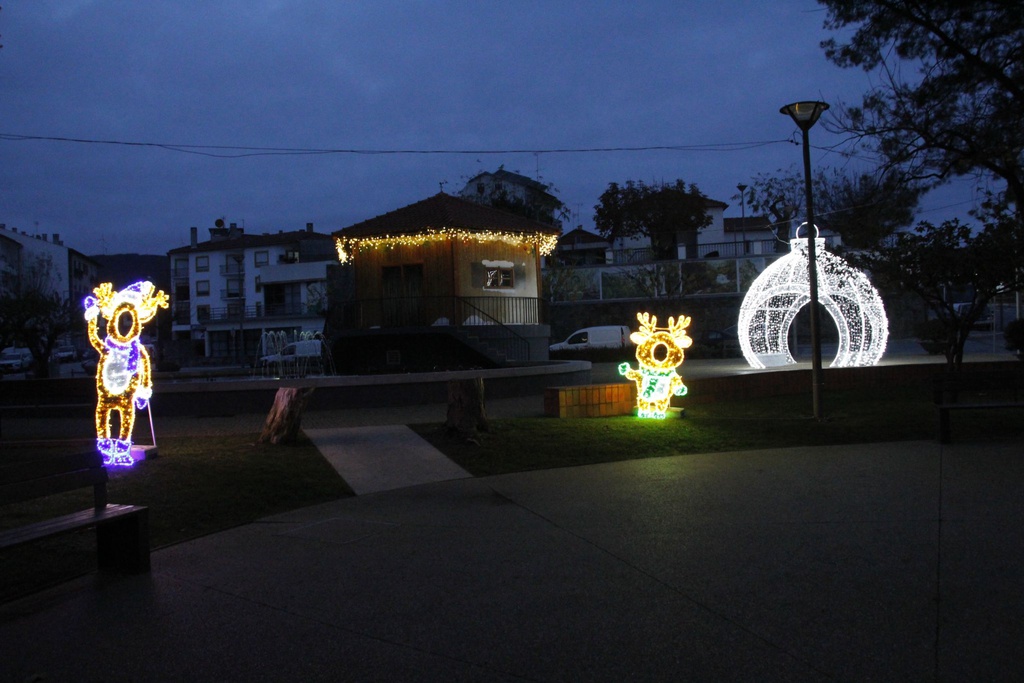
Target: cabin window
x,y
499,278
498,275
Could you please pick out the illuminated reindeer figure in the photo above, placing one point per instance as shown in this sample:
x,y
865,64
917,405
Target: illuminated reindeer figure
x,y
123,374
658,351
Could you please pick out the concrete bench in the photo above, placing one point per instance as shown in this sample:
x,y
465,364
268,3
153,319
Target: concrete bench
x,y
122,531
590,400
974,390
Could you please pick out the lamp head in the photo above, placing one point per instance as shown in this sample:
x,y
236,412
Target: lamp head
x,y
804,114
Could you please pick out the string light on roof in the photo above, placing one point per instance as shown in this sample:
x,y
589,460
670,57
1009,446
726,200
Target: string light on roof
x,y
348,246
778,294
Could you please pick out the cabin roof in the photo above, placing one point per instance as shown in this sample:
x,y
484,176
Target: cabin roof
x,y
444,211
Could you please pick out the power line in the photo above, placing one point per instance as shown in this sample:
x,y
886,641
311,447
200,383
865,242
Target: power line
x,y
237,151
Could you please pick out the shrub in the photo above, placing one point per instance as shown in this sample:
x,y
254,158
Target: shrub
x,y
1013,333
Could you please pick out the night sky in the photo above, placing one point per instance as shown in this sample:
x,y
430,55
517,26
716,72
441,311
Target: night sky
x,y
250,110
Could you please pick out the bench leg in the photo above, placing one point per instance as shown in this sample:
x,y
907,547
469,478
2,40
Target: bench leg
x,y
123,544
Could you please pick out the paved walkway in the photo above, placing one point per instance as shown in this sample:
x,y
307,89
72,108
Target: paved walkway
x,y
383,458
890,562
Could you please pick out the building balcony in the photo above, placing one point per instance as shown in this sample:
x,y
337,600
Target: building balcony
x,y
233,269
430,311
258,312
182,314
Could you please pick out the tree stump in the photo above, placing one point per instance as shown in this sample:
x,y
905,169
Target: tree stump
x,y
285,416
466,411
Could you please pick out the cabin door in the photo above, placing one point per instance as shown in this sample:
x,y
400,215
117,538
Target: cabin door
x,y
402,295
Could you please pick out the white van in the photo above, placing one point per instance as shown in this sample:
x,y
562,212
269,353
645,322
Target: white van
x,y
601,337
294,351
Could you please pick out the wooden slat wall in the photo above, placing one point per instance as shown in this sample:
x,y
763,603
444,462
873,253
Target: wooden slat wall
x,y
435,257
447,272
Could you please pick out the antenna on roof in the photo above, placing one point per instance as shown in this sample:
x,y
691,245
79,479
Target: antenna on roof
x,y
442,184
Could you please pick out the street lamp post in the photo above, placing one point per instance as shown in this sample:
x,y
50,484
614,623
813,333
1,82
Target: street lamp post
x,y
805,115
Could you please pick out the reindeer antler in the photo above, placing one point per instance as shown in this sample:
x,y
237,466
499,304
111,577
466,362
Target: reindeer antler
x,y
104,296
675,326
648,322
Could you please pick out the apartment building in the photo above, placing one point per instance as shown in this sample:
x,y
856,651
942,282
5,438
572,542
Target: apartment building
x,y
230,289
44,262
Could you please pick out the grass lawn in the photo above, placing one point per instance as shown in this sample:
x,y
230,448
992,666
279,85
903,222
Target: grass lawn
x,y
196,486
854,416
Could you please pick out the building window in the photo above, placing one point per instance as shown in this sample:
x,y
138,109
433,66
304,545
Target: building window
x,y
234,264
202,264
234,288
181,267
261,258
202,313
499,278
202,288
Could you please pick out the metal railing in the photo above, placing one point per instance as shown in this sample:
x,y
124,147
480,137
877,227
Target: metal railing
x,y
482,320
507,342
735,249
443,310
182,314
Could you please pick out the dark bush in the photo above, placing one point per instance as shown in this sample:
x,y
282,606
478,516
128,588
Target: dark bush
x,y
1013,333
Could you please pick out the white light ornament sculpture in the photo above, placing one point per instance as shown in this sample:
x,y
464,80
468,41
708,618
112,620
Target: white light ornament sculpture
x,y
778,294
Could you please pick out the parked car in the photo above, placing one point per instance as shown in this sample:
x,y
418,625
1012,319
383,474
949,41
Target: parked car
x,y
600,337
724,343
65,354
15,360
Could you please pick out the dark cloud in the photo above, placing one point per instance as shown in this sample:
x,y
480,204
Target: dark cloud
x,y
399,75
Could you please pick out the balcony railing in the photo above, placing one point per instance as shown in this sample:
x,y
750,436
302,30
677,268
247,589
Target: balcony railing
x,y
481,321
440,310
182,315
734,249
232,269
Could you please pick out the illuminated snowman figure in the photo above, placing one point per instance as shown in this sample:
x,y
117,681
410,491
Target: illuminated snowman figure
x,y
123,374
659,351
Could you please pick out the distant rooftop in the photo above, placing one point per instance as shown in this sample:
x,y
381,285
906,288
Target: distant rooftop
x,y
241,240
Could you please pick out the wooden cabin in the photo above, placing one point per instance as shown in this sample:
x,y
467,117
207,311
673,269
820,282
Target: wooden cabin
x,y
445,265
